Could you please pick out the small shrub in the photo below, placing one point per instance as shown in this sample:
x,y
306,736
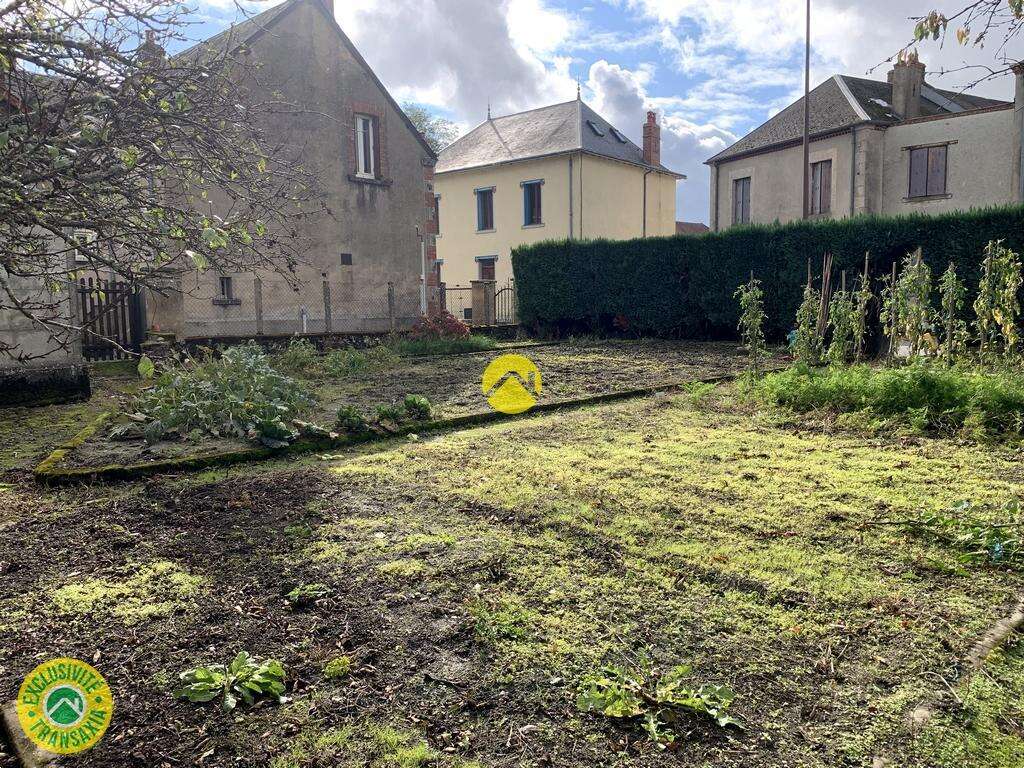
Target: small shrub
x,y
842,319
392,413
751,326
954,338
236,395
350,419
997,306
338,667
417,407
807,343
654,700
243,679
439,325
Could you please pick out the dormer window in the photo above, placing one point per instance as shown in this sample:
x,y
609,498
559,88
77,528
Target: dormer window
x,y
618,135
595,128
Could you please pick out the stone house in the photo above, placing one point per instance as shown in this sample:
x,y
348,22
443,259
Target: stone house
x,y
368,258
889,148
561,171
370,255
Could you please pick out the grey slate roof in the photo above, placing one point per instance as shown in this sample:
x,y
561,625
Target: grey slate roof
x,y
843,101
553,130
238,33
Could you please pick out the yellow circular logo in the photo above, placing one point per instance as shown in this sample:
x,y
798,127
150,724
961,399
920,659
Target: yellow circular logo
x,y
64,706
511,383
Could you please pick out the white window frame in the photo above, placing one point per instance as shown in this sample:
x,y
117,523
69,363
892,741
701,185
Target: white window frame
x,y
364,135
84,236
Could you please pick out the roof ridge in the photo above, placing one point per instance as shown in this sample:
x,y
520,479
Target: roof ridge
x,y
534,109
855,103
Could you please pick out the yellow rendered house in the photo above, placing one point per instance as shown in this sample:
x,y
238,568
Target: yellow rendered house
x,y
551,173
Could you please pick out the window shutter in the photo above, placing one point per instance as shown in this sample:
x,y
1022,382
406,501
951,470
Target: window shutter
x,y
526,205
826,186
937,171
918,173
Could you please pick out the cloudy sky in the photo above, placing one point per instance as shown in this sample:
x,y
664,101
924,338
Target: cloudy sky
x,y
712,69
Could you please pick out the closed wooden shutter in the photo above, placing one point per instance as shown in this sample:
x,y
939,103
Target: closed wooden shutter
x,y
936,171
918,173
825,200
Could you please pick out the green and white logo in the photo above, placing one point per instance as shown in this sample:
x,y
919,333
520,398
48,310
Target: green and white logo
x,y
64,706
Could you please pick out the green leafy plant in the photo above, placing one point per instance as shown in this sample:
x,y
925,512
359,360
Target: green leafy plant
x,y
862,300
807,344
653,699
243,679
417,407
236,395
146,368
338,667
954,330
305,594
350,419
495,619
842,319
912,302
751,326
390,412
981,541
997,305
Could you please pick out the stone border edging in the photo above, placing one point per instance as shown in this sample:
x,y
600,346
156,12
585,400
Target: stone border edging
x,y
46,471
495,350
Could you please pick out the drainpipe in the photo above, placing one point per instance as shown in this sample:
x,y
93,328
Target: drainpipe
x,y
570,198
853,169
718,193
643,229
581,197
423,270
1018,125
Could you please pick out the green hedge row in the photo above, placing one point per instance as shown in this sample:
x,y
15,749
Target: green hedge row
x,y
683,286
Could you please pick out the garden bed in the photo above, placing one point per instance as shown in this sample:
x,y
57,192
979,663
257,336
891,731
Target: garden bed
x,y
570,373
475,580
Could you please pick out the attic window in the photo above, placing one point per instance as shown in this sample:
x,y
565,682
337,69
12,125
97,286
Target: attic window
x,y
595,128
619,136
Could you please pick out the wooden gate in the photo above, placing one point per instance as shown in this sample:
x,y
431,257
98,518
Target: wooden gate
x,y
113,319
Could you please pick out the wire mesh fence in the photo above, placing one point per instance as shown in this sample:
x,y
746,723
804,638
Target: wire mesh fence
x,y
250,306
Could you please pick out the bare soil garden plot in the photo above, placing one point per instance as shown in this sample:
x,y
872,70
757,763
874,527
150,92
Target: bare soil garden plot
x,y
476,577
452,384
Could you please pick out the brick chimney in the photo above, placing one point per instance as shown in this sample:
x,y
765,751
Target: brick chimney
x,y
652,140
906,78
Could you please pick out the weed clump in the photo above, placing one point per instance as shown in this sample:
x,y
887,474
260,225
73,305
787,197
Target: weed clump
x,y
243,679
654,700
923,395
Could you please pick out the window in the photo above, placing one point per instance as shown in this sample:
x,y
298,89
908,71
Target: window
x,y
82,237
928,171
531,203
741,201
485,209
595,128
486,266
467,313
437,212
346,259
227,290
821,187
618,135
366,147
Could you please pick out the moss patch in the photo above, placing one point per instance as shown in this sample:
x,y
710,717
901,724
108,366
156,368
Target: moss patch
x,y
150,591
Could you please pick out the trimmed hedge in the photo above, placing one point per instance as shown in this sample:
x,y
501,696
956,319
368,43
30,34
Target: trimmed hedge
x,y
683,286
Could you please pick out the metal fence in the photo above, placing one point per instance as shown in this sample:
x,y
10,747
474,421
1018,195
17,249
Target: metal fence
x,y
458,299
506,307
250,306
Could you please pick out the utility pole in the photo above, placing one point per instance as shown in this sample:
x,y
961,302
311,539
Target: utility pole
x,y
807,117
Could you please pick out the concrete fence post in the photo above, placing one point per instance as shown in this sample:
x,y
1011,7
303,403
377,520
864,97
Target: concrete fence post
x,y
391,306
257,302
327,305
